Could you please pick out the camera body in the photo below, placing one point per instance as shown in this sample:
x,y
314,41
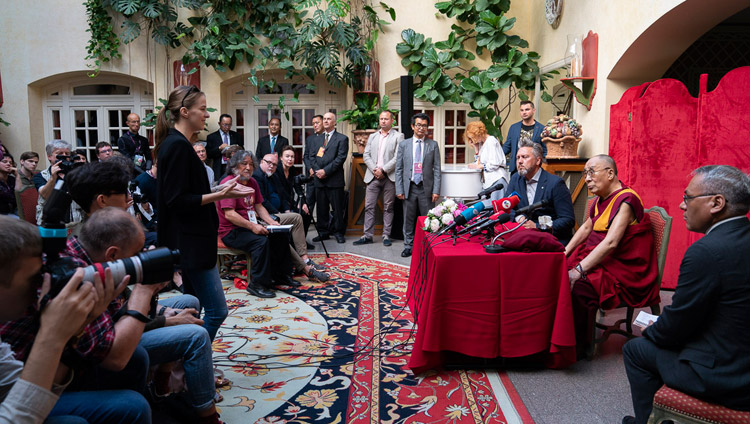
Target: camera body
x,y
136,194
66,165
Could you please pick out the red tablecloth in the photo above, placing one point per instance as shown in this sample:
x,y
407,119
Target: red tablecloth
x,y
488,305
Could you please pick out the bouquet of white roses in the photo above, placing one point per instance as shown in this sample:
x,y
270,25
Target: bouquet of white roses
x,y
442,215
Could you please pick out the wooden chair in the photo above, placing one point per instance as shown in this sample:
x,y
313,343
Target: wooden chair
x,y
671,404
661,227
222,261
26,200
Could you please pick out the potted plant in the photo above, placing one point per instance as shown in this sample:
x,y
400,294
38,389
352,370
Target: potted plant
x,y
364,116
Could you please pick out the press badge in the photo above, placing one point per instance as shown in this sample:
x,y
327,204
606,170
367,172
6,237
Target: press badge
x,y
251,217
320,152
418,168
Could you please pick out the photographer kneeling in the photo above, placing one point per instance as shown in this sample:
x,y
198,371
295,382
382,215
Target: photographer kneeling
x,y
29,391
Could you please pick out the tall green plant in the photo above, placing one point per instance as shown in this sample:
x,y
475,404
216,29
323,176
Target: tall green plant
x,y
366,112
443,71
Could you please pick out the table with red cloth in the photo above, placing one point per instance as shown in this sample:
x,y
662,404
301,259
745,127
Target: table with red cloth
x,y
486,305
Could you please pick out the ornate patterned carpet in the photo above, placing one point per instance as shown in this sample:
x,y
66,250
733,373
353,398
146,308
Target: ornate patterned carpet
x,y
337,353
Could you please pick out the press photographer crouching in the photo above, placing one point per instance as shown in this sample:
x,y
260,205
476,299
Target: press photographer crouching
x,y
30,389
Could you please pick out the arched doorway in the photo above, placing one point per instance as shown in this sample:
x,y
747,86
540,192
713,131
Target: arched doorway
x,y
85,111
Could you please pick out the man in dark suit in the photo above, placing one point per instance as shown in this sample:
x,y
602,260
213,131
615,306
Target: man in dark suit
x,y
533,184
135,146
417,176
307,159
700,344
218,141
525,129
273,142
329,153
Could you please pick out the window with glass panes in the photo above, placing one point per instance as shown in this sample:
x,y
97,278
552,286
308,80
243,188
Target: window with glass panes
x,y
301,129
56,124
239,124
454,148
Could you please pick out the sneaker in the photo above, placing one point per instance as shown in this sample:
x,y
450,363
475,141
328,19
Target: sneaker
x,y
387,241
317,275
363,240
319,267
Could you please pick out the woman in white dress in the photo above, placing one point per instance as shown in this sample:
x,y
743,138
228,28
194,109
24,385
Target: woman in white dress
x,y
488,155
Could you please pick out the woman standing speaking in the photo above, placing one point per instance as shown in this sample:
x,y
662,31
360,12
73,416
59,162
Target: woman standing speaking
x,y
187,215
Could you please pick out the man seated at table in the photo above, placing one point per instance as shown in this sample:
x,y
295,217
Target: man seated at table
x,y
611,258
701,342
533,184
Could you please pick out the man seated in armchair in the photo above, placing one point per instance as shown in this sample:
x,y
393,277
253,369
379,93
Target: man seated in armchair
x,y
611,258
700,344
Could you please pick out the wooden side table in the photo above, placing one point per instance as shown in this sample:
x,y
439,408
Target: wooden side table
x,y
571,171
357,191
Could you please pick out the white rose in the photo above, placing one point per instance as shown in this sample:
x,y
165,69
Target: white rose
x,y
449,203
434,225
426,224
447,219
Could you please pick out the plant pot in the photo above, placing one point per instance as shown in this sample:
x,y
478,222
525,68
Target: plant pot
x,y
360,138
562,148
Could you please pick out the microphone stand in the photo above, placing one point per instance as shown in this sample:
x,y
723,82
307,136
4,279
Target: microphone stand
x,y
493,248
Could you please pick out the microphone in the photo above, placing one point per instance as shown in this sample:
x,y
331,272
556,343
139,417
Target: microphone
x,y
506,204
464,217
497,218
525,210
497,185
483,217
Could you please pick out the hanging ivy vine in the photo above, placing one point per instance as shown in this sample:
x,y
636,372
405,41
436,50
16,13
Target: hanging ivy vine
x,y
305,38
104,45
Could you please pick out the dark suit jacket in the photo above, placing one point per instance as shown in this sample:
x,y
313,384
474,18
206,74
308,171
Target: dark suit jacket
x,y
128,143
267,183
213,141
511,142
431,176
183,223
310,151
552,188
264,146
332,161
708,322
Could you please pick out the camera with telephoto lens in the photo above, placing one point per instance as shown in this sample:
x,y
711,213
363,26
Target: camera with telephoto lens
x,y
149,267
66,165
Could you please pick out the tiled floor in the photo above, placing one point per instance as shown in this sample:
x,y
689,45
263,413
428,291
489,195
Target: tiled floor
x,y
594,391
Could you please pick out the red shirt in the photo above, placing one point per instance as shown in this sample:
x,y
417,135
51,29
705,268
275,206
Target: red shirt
x,y
241,206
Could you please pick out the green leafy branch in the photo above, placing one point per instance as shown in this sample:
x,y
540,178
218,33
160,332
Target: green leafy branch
x,y
443,70
365,114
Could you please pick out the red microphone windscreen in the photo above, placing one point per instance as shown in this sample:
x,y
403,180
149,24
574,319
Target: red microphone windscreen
x,y
506,204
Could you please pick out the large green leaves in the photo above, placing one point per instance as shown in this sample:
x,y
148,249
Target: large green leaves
x,y
443,70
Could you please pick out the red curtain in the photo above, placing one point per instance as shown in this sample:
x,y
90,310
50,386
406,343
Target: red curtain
x,y
659,134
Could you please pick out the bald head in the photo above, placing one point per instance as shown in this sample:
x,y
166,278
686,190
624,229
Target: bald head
x,y
134,123
329,121
111,233
600,173
606,161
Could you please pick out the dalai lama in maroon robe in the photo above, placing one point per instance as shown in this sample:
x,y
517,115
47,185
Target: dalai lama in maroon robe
x,y
612,259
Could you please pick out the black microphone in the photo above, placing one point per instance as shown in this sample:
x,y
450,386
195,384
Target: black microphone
x,y
479,220
498,218
526,209
497,185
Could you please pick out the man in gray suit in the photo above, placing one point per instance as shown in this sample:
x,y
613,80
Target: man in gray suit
x,y
329,153
417,176
380,158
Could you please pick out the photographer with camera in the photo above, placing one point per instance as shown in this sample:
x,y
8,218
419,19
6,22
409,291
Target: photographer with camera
x,y
29,391
111,234
58,155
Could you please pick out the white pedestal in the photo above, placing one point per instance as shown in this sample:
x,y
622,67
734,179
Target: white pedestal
x,y
460,182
